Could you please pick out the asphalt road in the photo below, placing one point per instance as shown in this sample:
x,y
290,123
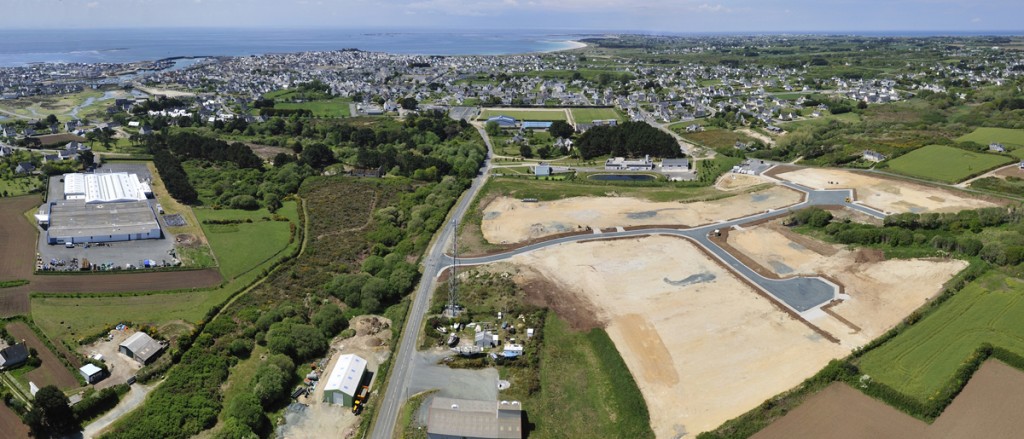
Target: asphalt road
x,y
798,293
398,387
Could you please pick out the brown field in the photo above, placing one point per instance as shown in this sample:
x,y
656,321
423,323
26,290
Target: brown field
x,y
876,294
59,139
1010,171
701,353
989,406
509,220
52,371
267,152
10,423
897,196
731,181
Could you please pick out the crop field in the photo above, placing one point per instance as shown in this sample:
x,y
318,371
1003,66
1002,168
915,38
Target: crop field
x,y
328,108
924,357
243,246
532,115
985,136
945,163
587,115
52,371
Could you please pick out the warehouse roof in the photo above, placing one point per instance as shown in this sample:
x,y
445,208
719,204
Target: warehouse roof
x,y
469,418
347,374
104,188
142,346
75,218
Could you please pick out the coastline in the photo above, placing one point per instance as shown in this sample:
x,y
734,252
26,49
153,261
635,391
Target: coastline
x,y
573,45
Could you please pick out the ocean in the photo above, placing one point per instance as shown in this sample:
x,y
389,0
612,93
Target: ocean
x,y
22,47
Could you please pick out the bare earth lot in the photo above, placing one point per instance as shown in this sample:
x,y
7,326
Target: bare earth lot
x,y
733,182
885,194
879,296
52,371
509,220
702,345
121,366
989,406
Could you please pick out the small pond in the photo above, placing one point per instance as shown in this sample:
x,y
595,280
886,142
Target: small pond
x,y
623,177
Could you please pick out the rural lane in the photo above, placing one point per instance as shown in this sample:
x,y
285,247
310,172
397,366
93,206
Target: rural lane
x,y
398,388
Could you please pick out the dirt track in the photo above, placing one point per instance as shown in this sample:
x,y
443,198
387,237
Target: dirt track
x,y
17,260
989,406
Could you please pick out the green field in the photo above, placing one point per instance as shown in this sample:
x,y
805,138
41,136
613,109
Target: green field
x,y
713,137
12,187
586,389
587,115
327,108
923,358
984,136
241,247
532,115
945,163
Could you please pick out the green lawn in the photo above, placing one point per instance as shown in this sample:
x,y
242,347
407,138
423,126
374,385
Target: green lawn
x,y
16,186
586,389
587,115
945,163
925,356
327,108
713,137
241,247
984,136
532,115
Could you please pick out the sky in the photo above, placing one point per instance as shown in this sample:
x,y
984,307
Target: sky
x,y
702,16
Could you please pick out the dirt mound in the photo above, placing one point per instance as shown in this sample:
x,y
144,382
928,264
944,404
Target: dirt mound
x,y
186,240
868,255
581,314
370,325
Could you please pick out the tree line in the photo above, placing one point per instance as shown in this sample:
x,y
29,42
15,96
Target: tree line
x,y
630,139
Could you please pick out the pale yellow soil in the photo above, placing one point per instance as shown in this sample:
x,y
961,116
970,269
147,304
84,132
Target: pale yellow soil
x,y
886,195
881,293
731,181
701,353
509,220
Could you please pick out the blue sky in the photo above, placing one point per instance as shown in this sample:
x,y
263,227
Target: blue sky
x,y
634,15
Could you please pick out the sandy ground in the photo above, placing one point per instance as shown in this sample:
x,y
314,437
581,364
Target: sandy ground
x,y
877,289
509,220
318,419
989,406
701,353
731,181
1010,171
121,367
886,195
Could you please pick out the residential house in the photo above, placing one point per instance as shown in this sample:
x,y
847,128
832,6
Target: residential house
x,y
25,168
13,356
996,147
872,156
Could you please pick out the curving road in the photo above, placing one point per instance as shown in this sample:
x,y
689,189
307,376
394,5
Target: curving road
x,y
799,294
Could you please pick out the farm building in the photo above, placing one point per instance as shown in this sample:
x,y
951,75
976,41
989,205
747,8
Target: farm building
x,y
140,347
13,356
451,418
675,165
78,222
345,379
622,164
503,121
91,373
542,170
485,339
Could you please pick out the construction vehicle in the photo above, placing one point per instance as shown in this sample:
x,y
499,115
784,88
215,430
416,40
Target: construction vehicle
x,y
360,400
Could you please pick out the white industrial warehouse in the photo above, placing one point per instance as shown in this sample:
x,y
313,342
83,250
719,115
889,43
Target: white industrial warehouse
x,y
100,208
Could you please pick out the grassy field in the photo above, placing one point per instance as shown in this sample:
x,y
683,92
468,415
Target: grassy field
x,y
586,389
532,115
945,163
984,136
587,115
241,247
713,137
328,108
924,357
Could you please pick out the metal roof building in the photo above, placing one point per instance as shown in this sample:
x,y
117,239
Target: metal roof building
x,y
141,347
451,418
536,125
345,379
105,188
75,221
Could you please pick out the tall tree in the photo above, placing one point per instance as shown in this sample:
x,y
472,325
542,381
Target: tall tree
x,y
51,414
